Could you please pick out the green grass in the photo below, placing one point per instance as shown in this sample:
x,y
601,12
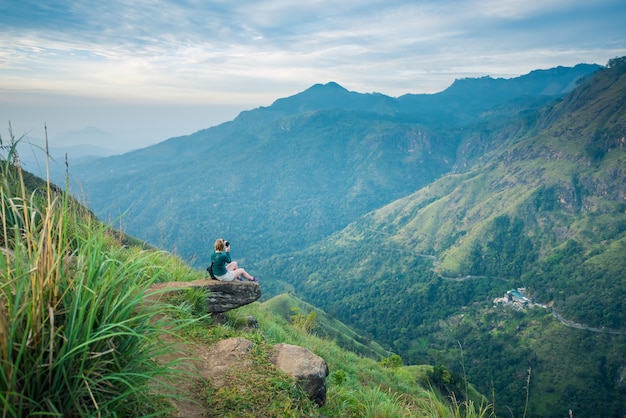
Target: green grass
x,y
260,390
359,386
76,338
287,306
356,386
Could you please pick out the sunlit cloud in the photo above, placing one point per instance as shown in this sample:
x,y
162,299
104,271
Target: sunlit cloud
x,y
249,52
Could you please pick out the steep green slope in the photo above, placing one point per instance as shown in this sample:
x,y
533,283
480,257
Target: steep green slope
x,y
544,210
290,308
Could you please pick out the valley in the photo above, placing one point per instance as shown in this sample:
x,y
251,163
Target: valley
x,y
517,299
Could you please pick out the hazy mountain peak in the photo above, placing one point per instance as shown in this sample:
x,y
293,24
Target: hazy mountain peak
x,y
333,96
328,87
316,97
554,81
462,101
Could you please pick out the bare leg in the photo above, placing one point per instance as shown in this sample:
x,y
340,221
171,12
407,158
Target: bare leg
x,y
241,272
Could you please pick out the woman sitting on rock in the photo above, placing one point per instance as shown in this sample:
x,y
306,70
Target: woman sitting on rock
x,y
224,268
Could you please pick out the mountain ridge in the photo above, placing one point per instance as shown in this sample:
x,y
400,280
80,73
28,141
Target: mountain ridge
x,y
553,82
263,145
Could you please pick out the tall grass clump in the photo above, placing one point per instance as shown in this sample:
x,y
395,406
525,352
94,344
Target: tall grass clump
x,y
76,338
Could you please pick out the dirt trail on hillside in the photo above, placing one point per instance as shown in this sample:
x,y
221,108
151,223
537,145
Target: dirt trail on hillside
x,y
197,363
189,386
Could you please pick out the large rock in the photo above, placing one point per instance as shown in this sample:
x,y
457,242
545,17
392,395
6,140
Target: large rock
x,y
224,296
221,296
309,369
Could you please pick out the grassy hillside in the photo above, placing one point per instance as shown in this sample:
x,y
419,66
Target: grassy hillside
x,y
75,337
319,323
79,338
356,386
538,204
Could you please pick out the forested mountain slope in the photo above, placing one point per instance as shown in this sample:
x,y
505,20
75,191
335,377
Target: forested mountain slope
x,y
540,204
268,188
279,178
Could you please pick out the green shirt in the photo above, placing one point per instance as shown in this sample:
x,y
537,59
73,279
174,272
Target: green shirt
x,y
219,261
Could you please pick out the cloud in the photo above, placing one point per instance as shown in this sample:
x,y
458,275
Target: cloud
x,y
196,52
167,45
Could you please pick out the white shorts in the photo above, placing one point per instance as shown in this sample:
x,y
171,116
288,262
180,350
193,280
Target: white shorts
x,y
228,277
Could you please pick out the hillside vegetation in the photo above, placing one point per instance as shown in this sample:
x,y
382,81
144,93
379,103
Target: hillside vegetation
x,y
78,338
75,338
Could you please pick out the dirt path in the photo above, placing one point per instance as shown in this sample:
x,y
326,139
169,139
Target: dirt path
x,y
190,403
198,363
195,373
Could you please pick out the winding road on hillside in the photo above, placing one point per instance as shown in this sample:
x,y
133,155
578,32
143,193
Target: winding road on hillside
x,y
576,325
566,322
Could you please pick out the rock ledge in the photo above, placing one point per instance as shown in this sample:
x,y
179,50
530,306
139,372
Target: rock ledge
x,y
221,296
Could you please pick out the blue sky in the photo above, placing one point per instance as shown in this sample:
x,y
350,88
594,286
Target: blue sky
x,y
146,70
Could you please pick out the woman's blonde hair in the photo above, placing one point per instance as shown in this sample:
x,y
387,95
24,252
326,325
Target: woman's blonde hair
x,y
219,244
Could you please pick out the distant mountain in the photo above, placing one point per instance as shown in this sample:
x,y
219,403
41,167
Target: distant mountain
x,y
472,99
268,188
462,102
279,178
73,146
334,96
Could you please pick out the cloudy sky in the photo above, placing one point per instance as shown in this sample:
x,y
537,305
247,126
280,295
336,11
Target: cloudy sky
x,y
142,71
